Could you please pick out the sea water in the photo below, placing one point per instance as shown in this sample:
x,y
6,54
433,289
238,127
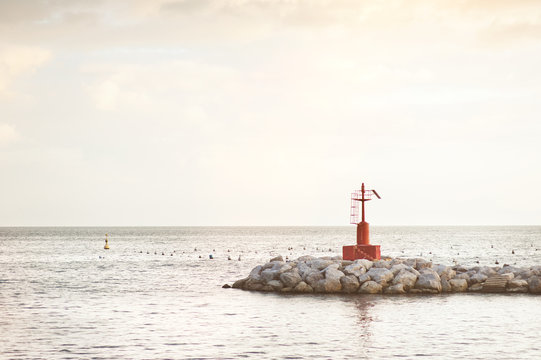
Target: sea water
x,y
156,294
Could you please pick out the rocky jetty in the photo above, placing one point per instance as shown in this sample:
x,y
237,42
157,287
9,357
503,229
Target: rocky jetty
x,y
309,274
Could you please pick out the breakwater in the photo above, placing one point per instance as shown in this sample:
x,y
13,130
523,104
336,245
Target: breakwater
x,y
309,274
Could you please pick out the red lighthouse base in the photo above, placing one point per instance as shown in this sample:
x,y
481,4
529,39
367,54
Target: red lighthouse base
x,y
354,252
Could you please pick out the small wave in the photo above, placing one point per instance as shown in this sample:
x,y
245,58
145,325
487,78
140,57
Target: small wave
x,y
106,347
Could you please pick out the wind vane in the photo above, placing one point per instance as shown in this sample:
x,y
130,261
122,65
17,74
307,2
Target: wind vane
x,y
363,249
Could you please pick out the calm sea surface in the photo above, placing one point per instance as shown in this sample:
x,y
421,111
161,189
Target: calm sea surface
x,y
62,296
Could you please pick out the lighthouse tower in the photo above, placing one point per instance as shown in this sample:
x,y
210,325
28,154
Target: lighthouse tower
x,y
363,249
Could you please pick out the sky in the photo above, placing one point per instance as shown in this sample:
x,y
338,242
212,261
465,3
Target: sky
x,y
269,112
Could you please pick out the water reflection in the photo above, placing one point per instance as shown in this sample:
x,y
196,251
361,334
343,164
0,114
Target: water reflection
x,y
363,304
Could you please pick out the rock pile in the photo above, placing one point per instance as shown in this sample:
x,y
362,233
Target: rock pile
x,y
309,274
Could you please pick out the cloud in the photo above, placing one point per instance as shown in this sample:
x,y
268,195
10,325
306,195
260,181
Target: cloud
x,y
16,61
100,24
163,85
8,134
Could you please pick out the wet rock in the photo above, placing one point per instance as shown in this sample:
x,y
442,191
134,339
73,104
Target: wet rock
x,y
458,285
333,266
319,264
423,291
355,269
367,264
410,262
422,264
405,278
380,275
239,284
534,284
303,269
350,283
251,284
464,276
364,278
255,274
285,268
395,289
290,278
303,287
445,272
333,273
508,275
313,277
445,286
268,265
488,271
477,278
305,258
525,274
331,283
269,274
517,286
475,287
536,270
277,258
393,276
395,269
428,280
277,265
381,264
507,269
370,287
275,284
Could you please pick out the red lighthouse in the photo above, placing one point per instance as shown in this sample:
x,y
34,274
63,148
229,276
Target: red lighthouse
x,y
363,249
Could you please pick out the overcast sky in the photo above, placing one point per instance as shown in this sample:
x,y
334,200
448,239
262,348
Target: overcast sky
x,y
261,112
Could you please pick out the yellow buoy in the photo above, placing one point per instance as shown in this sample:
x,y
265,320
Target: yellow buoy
x,y
106,247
